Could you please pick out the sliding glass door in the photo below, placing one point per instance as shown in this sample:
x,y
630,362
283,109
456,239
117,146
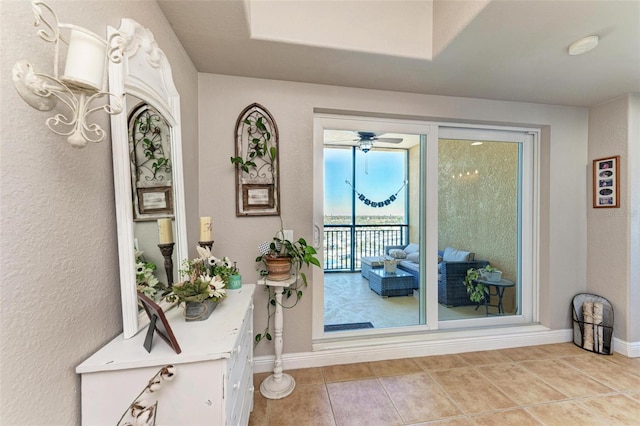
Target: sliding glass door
x,y
449,201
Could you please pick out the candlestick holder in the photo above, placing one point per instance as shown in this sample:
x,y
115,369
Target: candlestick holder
x,y
206,244
167,252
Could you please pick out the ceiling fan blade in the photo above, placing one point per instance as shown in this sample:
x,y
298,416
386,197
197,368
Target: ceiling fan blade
x,y
389,140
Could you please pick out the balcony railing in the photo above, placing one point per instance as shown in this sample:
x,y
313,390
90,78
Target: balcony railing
x,y
346,245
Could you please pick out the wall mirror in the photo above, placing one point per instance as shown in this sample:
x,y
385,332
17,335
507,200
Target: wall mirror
x,y
147,164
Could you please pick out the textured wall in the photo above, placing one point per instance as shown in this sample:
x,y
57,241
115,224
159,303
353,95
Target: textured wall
x,y
60,282
608,229
478,212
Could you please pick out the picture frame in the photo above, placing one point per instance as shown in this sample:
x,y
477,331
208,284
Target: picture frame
x,y
256,196
157,324
257,173
606,182
155,202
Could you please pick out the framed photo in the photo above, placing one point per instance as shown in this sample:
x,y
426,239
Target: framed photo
x,y
256,196
155,201
157,324
606,182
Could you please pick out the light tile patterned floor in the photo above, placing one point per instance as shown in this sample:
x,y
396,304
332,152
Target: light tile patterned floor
x,y
539,385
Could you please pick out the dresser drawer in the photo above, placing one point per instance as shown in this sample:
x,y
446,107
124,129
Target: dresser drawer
x,y
242,398
242,350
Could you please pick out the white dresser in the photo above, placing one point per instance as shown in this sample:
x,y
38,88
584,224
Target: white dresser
x,y
213,384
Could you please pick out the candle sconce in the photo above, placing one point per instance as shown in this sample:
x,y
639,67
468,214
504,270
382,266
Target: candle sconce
x,y
167,253
82,83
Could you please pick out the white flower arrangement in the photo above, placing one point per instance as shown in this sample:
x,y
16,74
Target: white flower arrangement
x,y
206,278
146,281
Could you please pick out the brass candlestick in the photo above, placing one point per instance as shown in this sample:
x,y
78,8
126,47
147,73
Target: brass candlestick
x,y
167,252
207,244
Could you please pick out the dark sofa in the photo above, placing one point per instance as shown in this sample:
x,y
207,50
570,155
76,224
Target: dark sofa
x,y
452,268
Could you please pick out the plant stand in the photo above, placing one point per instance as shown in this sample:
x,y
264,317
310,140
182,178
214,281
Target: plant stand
x,y
278,385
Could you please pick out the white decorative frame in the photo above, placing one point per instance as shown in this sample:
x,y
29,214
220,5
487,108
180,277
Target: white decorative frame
x,y
139,67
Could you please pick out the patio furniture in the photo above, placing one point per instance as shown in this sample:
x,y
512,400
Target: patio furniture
x,y
386,284
500,287
369,263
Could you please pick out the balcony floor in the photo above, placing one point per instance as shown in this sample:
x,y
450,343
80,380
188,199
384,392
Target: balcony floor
x,y
348,299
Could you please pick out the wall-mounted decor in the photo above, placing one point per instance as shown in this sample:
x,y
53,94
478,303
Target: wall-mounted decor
x,y
256,162
606,182
151,165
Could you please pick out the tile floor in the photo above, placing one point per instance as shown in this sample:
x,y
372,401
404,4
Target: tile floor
x,y
556,384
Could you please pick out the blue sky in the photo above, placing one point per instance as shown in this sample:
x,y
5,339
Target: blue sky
x,y
379,174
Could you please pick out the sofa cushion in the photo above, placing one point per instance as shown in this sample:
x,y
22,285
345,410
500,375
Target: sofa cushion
x,y
453,255
409,266
397,253
411,248
414,257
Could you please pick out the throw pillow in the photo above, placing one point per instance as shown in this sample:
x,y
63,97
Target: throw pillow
x,y
414,257
411,248
397,253
453,255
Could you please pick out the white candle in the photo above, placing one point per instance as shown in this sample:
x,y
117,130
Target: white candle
x,y
165,230
206,229
85,60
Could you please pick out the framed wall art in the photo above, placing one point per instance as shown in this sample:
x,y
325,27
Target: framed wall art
x,y
256,163
151,163
606,182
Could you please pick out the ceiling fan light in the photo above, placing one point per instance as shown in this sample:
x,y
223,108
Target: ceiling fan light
x,y
365,145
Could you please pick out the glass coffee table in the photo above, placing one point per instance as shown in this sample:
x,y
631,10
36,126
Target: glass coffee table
x,y
399,283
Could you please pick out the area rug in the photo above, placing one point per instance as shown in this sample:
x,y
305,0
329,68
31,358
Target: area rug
x,y
349,326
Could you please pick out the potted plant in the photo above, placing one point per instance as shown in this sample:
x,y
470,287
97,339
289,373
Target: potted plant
x,y
204,285
475,289
279,258
490,273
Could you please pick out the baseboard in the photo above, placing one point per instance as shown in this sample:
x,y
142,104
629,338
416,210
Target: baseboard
x,y
629,349
429,344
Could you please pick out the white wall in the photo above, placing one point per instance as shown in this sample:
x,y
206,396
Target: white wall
x,y
60,291
222,98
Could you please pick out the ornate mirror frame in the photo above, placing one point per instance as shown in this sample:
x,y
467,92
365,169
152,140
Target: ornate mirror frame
x,y
139,68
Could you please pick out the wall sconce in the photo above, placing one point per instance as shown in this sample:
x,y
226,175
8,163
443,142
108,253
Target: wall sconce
x,y
81,84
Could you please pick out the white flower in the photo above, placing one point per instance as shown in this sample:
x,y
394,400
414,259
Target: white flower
x,y
204,252
216,286
168,372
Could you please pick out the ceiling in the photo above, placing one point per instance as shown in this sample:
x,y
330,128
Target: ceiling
x,y
511,50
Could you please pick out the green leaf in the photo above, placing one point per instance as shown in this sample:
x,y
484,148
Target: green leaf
x,y
258,338
268,336
272,153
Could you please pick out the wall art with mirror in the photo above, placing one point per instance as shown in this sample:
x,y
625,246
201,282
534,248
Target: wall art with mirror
x,y
147,164
256,162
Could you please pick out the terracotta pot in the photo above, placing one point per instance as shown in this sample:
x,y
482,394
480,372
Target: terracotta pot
x,y
279,268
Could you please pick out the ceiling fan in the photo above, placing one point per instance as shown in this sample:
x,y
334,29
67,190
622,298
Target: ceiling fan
x,y
365,140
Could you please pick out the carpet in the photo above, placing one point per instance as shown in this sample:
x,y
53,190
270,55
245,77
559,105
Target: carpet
x,y
348,326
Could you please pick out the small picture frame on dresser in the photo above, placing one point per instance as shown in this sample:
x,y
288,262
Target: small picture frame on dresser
x,y
157,324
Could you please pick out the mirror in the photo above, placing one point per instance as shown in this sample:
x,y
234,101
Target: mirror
x,y
147,163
